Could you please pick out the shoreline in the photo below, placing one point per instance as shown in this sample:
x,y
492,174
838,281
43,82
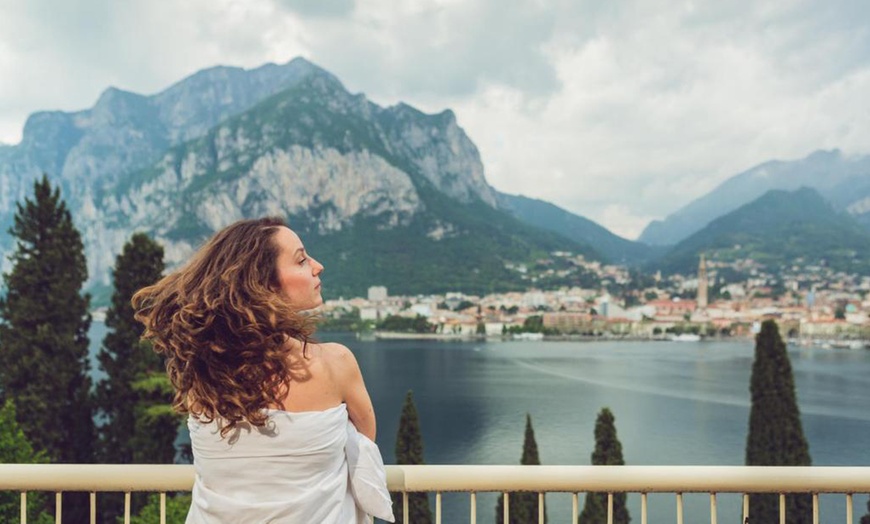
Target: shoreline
x,y
524,337
852,344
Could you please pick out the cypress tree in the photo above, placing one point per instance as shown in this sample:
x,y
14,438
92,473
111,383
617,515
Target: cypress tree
x,y
44,330
134,399
409,450
523,506
608,452
776,437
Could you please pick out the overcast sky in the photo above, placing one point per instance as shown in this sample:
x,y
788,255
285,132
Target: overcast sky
x,y
620,111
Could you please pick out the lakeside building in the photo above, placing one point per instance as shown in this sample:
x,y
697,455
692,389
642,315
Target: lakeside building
x,y
377,293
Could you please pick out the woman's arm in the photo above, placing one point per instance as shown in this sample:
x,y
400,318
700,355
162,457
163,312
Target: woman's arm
x,y
356,397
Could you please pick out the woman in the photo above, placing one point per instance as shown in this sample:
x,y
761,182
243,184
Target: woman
x,y
268,407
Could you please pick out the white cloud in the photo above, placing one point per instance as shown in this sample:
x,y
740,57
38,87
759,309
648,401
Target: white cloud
x,y
62,56
653,113
619,111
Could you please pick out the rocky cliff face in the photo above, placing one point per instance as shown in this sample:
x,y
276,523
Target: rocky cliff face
x,y
225,144
441,151
93,149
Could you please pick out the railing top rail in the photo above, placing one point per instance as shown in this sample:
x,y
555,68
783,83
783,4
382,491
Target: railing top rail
x,y
96,477
634,479
649,479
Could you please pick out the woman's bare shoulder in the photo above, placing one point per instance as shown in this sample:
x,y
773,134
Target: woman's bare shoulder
x,y
339,357
336,351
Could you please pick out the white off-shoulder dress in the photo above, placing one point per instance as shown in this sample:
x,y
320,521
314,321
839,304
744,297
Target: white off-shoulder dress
x,y
295,469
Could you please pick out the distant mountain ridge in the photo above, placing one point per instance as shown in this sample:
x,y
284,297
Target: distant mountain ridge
x,y
843,181
390,195
780,228
615,249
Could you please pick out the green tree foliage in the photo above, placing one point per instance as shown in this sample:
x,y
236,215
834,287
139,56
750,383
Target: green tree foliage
x,y
418,324
44,329
775,230
866,518
345,321
156,425
135,397
176,510
409,450
523,506
608,452
16,449
465,304
776,437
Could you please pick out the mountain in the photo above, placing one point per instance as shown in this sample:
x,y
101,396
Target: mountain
x,y
387,196
842,180
545,215
124,131
780,228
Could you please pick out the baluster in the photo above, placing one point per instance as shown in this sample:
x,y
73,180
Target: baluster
x,y
713,516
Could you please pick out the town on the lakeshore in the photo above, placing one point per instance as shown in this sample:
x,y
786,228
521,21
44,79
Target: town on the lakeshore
x,y
812,305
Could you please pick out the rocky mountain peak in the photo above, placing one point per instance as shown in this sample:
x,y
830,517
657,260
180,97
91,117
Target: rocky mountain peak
x,y
227,143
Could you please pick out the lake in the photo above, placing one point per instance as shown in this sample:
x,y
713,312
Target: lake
x,y
675,403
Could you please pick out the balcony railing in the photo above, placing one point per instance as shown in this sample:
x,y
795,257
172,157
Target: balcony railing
x,y
679,480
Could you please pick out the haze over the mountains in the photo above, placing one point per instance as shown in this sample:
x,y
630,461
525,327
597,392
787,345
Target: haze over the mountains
x,y
390,195
843,181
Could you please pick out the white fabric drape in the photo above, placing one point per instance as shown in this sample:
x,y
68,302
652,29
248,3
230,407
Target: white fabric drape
x,y
293,470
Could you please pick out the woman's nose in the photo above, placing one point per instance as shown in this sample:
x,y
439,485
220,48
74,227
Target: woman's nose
x,y
318,267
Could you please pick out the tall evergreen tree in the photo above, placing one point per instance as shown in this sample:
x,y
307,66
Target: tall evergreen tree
x,y
776,437
44,329
608,452
409,450
134,400
44,335
523,506
135,396
16,449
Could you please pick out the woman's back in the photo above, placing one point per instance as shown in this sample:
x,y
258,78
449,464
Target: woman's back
x,y
293,469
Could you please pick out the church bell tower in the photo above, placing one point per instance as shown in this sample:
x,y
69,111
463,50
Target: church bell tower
x,y
702,283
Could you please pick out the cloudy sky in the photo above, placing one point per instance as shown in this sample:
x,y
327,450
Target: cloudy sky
x,y
619,111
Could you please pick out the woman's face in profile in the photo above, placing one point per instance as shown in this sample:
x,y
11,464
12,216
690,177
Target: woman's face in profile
x,y
298,272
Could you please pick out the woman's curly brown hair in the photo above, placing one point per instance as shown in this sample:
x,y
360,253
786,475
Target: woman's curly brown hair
x,y
223,326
